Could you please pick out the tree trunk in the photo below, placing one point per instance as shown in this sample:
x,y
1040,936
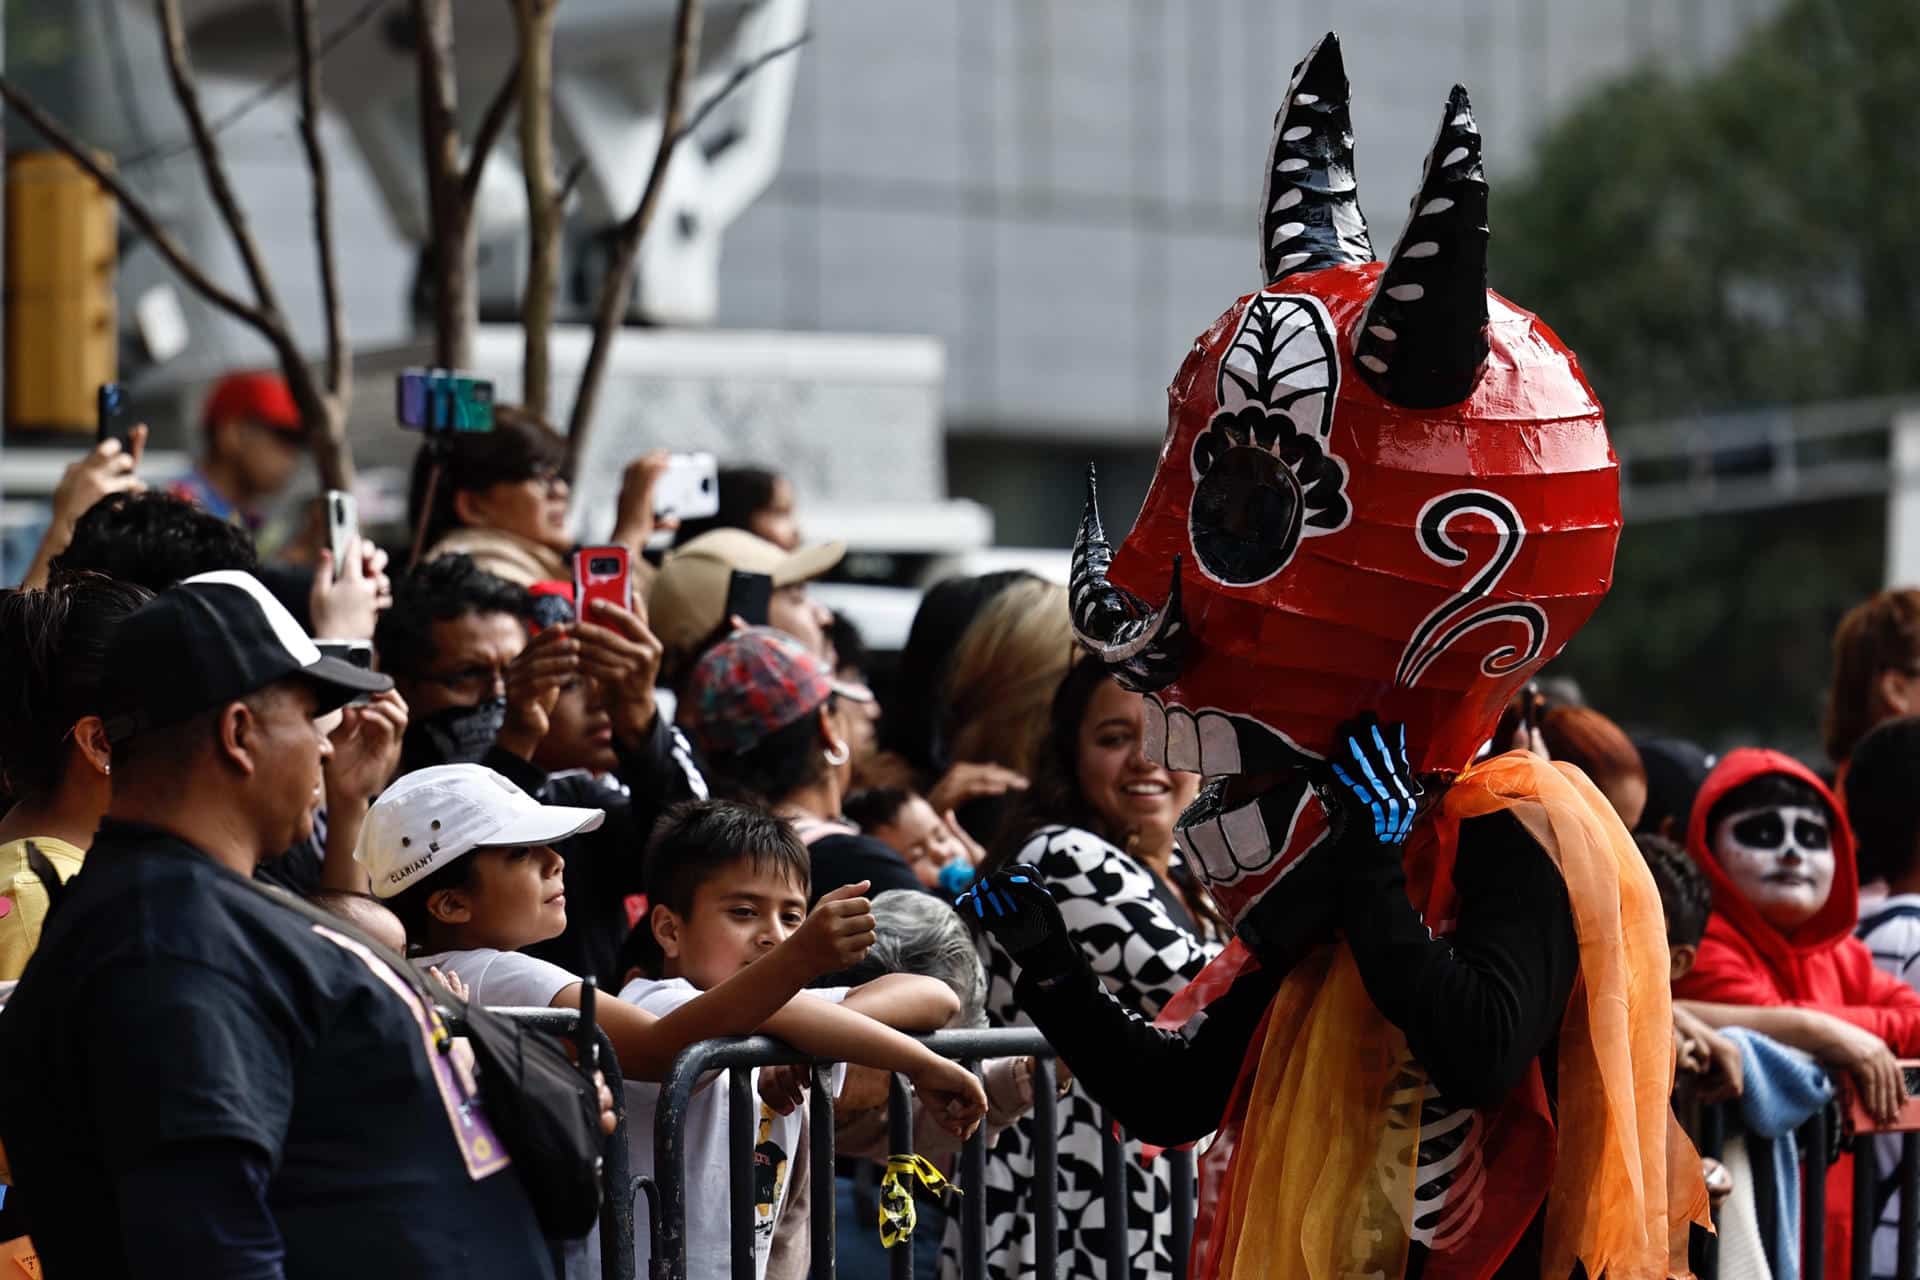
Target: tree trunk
x,y
534,19
456,307
612,303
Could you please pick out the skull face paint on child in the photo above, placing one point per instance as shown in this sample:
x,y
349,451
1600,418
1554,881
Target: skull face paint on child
x,y
1780,858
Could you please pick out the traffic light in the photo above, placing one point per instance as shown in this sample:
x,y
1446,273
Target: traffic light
x,y
61,338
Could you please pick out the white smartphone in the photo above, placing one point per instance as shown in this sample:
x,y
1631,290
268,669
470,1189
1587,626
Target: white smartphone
x,y
343,526
689,489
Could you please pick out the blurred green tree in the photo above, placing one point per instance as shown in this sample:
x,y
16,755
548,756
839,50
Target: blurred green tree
x,y
1746,237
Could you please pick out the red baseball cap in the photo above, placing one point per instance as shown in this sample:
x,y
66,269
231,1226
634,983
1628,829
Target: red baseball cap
x,y
257,396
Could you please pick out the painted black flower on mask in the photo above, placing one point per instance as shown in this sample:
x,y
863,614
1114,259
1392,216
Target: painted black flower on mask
x,y
1262,483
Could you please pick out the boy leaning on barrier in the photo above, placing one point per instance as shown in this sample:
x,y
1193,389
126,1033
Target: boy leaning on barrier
x,y
465,859
728,883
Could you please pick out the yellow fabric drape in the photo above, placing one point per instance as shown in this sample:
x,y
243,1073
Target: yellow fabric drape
x,y
1321,1187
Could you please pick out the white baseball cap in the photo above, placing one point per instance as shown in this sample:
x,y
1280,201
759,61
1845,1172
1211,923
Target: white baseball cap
x,y
432,816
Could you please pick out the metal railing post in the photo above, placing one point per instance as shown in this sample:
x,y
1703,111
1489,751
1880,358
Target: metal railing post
x,y
899,1139
1813,1197
820,1144
1113,1196
1863,1215
973,1203
1046,1169
740,1117
1909,1251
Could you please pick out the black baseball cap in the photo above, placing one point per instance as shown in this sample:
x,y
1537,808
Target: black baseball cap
x,y
211,639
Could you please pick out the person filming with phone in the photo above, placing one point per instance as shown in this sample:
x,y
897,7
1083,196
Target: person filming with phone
x,y
502,497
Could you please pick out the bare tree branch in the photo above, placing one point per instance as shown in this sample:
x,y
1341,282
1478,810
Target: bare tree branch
x,y
133,206
619,278
339,369
491,125
741,74
534,21
324,416
575,171
187,93
246,106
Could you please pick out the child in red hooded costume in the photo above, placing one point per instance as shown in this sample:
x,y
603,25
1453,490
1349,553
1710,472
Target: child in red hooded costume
x,y
1779,855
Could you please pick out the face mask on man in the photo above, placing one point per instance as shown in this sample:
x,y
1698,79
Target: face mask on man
x,y
462,735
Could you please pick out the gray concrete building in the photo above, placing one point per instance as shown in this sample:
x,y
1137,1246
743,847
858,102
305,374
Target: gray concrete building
x,y
1061,191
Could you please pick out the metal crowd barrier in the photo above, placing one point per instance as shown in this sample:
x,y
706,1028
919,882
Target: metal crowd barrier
x,y
1815,1139
617,1183
738,1057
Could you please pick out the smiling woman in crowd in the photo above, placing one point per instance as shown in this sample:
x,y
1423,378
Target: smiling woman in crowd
x,y
1098,824
502,497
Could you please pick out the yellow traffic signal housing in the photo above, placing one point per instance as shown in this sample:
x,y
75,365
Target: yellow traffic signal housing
x,y
62,251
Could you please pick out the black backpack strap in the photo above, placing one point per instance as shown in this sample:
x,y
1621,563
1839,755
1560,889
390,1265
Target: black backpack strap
x,y
38,863
431,993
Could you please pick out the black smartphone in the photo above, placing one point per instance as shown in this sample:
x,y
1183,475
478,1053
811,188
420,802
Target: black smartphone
x,y
586,1030
114,414
749,597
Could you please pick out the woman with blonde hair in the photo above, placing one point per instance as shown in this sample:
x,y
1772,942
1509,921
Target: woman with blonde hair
x,y
999,683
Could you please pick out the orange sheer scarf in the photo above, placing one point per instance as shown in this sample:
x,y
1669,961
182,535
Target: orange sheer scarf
x,y
1322,1181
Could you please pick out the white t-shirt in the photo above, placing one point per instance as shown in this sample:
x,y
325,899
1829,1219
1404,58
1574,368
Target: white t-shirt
x,y
503,979
1891,930
709,1255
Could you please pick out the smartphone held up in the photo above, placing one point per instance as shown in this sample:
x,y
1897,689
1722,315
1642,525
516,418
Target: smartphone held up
x,y
600,573
115,415
343,526
442,402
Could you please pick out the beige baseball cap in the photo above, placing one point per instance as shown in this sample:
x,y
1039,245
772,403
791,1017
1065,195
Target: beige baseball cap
x,y
689,597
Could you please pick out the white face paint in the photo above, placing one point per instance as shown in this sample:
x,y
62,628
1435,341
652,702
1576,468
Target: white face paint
x,y
1781,860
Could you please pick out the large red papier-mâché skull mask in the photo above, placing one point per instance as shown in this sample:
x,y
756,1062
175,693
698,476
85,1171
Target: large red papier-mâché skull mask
x,y
1383,487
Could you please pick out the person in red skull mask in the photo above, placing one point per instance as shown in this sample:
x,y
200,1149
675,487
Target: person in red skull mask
x,y
1441,1041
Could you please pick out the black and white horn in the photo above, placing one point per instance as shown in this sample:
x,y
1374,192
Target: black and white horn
x,y
1423,338
1310,209
1144,647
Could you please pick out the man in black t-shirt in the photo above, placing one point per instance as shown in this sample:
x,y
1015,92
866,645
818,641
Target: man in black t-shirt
x,y
198,1080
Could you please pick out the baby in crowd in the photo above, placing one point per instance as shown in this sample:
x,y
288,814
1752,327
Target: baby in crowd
x,y
934,845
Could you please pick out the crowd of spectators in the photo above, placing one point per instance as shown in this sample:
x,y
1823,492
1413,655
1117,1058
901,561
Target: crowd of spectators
x,y
716,821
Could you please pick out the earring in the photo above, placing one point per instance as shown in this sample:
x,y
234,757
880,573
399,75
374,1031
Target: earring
x,y
838,755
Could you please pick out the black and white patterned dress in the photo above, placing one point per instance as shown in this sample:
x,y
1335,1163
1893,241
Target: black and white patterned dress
x,y
1144,945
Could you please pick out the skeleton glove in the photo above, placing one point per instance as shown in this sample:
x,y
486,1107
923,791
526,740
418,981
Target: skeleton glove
x,y
1369,790
1013,906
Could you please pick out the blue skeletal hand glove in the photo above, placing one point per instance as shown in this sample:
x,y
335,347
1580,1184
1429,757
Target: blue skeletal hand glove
x,y
1013,905
1370,786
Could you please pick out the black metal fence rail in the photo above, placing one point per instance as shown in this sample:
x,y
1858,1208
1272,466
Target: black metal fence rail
x,y
1816,1139
616,1173
738,1057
